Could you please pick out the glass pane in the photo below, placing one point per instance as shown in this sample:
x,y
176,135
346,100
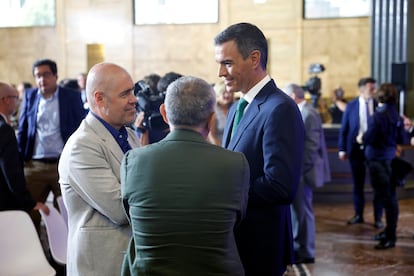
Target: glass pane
x,y
27,13
175,11
336,8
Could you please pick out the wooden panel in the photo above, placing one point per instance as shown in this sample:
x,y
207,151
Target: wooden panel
x,y
342,45
95,54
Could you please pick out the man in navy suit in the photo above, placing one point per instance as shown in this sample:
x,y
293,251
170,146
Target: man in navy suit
x,y
271,135
49,115
354,124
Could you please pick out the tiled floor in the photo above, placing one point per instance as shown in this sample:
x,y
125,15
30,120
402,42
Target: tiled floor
x,y
349,250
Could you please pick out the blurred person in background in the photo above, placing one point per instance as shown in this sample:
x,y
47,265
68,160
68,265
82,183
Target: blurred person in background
x,y
13,192
224,101
150,125
338,106
49,115
14,118
81,80
355,123
385,131
315,172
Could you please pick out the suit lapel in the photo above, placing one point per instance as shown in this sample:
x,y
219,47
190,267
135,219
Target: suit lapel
x,y
356,115
2,121
247,118
35,108
62,105
251,112
229,126
105,136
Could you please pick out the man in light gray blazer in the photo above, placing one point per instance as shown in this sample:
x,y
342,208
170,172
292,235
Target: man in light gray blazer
x,y
315,172
184,196
89,170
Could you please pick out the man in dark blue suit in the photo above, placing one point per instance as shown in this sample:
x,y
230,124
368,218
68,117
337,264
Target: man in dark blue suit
x,y
271,135
49,115
354,124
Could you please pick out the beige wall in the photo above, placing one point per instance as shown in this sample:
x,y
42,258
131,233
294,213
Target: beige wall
x,y
342,45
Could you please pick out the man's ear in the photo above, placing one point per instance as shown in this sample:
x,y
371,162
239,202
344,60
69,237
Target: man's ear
x,y
163,113
99,97
255,57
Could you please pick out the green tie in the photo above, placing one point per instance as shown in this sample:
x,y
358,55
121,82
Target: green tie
x,y
239,114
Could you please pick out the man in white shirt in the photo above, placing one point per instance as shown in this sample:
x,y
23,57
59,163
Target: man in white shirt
x,y
354,124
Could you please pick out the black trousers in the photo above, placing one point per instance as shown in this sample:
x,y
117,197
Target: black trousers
x,y
380,173
358,168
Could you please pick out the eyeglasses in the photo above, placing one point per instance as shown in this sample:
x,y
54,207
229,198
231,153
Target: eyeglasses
x,y
10,96
44,75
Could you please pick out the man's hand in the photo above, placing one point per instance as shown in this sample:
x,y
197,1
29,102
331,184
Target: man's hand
x,y
41,206
342,155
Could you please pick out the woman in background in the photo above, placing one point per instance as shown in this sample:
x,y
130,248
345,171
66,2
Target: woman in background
x,y
224,101
337,109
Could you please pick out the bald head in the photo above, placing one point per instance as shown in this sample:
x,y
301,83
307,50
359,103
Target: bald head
x,y
110,93
105,77
5,89
8,99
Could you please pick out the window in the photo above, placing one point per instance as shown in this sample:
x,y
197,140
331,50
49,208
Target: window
x,y
27,13
175,11
335,8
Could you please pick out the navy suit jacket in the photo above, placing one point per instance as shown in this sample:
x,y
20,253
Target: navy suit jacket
x,y
350,127
271,136
71,113
13,192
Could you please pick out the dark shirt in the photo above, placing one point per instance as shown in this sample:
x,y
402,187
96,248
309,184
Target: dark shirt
x,y
13,192
385,131
336,114
121,135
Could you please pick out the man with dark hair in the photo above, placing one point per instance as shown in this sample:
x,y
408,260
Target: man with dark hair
x,y
49,115
271,135
152,81
183,195
385,132
165,80
355,124
156,129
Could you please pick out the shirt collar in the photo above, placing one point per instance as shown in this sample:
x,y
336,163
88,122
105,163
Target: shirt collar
x,y
120,136
363,100
55,94
110,128
301,105
249,96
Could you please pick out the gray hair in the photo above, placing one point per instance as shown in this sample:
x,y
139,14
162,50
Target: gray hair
x,y
294,89
189,101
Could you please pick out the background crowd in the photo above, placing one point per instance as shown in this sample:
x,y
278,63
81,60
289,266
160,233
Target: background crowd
x,y
175,175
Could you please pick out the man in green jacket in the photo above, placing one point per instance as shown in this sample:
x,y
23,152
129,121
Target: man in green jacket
x,y
183,195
